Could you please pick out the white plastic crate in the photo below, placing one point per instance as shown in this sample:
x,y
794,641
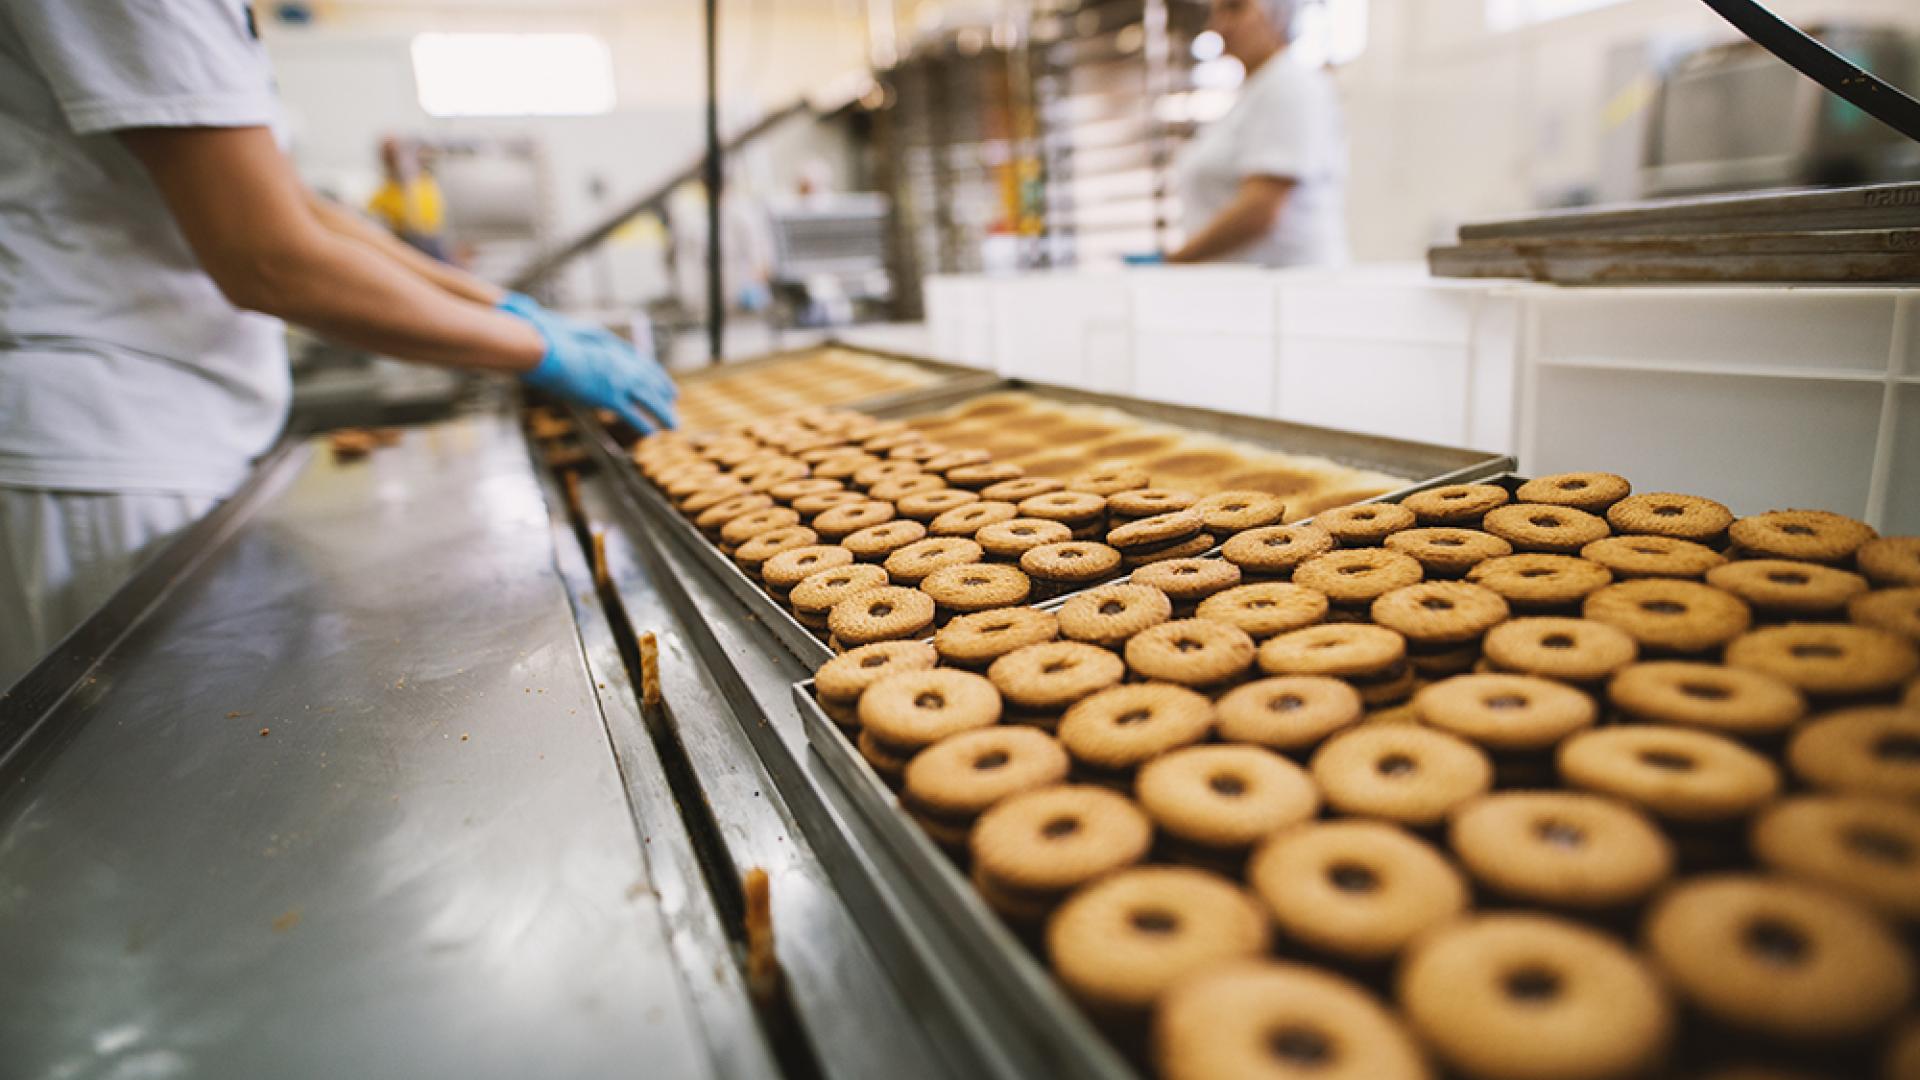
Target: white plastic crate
x,y
959,311
1762,397
1205,336
1070,329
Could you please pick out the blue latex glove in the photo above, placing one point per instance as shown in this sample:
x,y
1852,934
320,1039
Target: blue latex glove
x,y
1144,258
595,368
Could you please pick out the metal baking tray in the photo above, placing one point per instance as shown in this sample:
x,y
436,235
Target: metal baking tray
x,y
990,981
1434,465
953,378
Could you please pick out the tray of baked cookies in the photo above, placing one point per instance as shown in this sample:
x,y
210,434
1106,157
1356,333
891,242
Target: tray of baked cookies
x,y
951,505
1508,779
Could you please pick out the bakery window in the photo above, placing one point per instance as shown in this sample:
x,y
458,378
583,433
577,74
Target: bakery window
x,y
551,74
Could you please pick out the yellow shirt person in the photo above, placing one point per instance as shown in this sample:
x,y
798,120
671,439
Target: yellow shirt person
x,y
408,201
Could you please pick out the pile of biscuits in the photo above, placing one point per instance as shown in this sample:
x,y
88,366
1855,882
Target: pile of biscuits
x,y
1056,440
1539,780
869,531
823,377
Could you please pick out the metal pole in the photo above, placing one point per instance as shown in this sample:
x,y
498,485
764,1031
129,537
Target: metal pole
x,y
716,289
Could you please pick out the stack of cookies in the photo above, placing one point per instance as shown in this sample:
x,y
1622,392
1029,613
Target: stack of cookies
x,y
1539,780
822,377
841,517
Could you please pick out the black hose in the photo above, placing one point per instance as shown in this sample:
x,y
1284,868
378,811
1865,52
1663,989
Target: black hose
x,y
1874,95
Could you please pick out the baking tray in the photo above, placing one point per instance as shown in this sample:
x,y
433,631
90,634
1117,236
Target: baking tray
x,y
954,378
991,983
1437,464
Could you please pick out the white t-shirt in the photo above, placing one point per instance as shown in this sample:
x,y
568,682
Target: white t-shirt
x,y
1286,124
122,367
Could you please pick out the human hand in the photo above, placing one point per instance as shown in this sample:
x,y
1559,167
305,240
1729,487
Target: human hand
x,y
595,368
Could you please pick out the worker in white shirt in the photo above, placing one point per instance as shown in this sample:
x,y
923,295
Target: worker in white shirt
x,y
152,238
1266,183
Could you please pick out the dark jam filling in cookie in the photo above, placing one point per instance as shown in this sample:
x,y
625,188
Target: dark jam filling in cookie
x,y
1353,878
1776,942
1878,845
1798,530
1154,921
1112,607
1666,759
1788,577
1437,603
1285,702
1396,765
1815,651
1505,701
1900,749
1531,985
992,759
1060,827
1187,645
873,661
1227,784
1300,1048
1561,834
1706,691
930,699
1662,607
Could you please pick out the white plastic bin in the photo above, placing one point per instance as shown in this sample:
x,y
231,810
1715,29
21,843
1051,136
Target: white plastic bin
x,y
1205,336
1761,397
1071,329
959,311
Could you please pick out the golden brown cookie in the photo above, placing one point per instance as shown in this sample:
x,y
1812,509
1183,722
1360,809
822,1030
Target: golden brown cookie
x,y
1120,943
1455,504
1288,713
1265,608
1355,577
1896,611
899,489
925,506
1674,773
1732,700
1539,528
983,476
1359,890
1190,549
1403,773
968,520
1279,1021
1890,561
1652,556
1865,848
1188,581
875,542
976,640
1015,537
964,775
1485,993
1342,650
1223,798
1275,550
817,594
812,506
1807,535
962,590
1108,479
888,613
1541,582
1049,840
754,554
1576,650
1074,509
1365,525
1778,957
1149,502
1070,564
1784,589
1190,652
1872,751
1592,492
1505,712
1665,615
1119,729
845,677
846,519
1447,552
910,710
1227,513
1111,614
1683,517
1828,660
1055,675
1440,612
789,568
715,517
913,563
1021,489
1561,849
1157,533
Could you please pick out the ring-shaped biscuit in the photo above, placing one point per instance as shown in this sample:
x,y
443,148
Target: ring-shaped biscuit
x,y
1505,712
1190,652
1679,774
1402,773
1589,491
1359,890
1577,650
1280,1020
1119,943
1540,528
1652,556
1265,609
1560,848
1807,535
979,639
1288,713
1111,614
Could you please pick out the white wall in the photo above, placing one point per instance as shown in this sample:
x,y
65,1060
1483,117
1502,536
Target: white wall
x,y
1453,122
347,81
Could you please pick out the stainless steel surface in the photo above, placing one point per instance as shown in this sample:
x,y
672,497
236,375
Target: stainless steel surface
x,y
727,689
993,982
426,866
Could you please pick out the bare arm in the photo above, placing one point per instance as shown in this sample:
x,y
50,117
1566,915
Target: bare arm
x,y
346,223
252,225
1254,209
